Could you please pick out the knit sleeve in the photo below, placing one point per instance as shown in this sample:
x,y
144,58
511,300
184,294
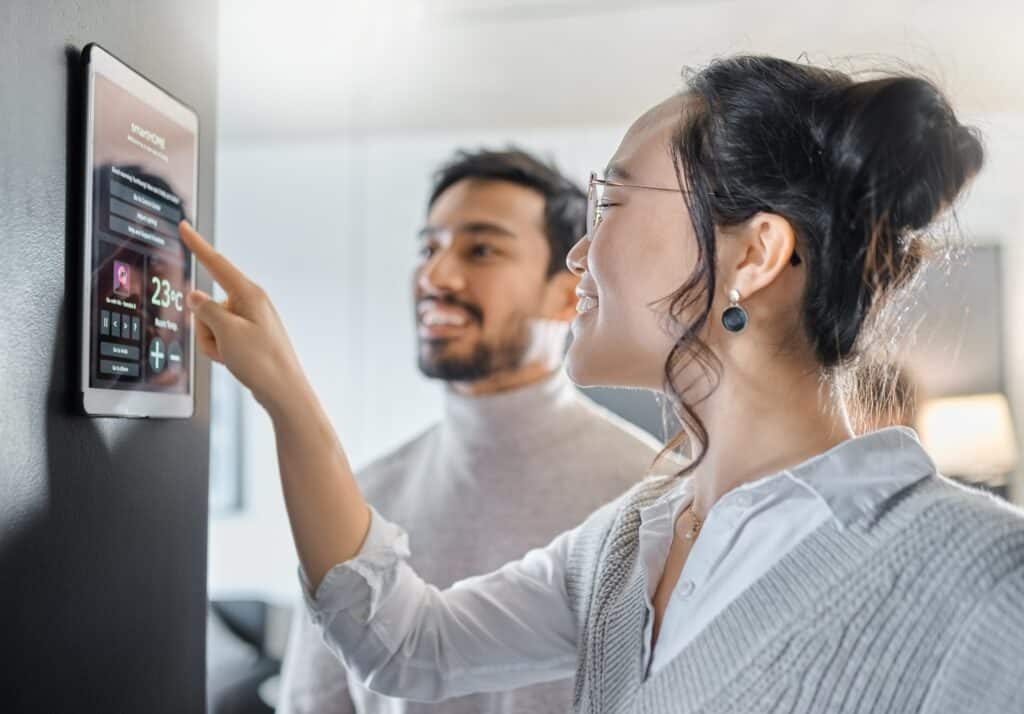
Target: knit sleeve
x,y
984,672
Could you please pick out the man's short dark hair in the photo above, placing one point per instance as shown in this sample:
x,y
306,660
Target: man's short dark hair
x,y
565,205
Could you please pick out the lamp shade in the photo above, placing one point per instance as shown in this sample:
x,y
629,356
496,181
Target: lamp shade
x,y
970,437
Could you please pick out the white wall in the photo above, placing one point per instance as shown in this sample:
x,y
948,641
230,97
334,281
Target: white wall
x,y
429,64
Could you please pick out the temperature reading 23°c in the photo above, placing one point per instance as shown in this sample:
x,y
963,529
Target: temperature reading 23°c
x,y
164,295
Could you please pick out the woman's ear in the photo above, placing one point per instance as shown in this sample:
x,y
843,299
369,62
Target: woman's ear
x,y
762,249
560,297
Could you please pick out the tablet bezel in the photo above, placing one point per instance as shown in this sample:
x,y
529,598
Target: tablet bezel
x,y
97,401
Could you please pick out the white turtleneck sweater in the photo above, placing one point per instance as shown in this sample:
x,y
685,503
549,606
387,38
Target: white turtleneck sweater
x,y
497,476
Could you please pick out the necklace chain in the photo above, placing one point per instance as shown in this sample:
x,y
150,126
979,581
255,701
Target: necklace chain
x,y
694,528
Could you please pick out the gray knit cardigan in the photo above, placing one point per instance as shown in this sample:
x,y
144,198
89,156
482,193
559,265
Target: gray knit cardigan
x,y
918,606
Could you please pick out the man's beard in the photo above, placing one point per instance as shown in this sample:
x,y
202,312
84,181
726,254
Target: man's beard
x,y
485,359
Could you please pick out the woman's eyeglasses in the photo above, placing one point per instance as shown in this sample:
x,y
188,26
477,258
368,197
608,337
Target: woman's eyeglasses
x,y
595,203
595,197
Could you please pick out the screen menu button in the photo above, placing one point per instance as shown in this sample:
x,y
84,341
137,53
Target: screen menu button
x,y
119,369
112,349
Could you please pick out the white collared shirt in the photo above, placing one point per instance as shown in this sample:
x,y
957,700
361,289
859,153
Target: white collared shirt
x,y
515,626
744,534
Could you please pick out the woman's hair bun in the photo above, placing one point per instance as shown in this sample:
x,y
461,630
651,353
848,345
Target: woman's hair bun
x,y
898,154
858,167
896,158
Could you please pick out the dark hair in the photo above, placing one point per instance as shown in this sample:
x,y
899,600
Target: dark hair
x,y
858,168
565,205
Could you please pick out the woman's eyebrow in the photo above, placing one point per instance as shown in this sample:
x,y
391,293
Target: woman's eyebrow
x,y
617,172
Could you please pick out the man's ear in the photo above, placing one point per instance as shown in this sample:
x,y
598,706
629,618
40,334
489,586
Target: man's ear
x,y
560,297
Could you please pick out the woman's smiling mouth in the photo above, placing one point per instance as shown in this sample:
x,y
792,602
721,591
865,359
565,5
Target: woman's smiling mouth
x,y
587,301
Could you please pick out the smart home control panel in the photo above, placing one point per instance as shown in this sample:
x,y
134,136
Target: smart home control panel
x,y
141,180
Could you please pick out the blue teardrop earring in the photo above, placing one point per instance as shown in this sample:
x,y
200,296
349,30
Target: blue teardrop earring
x,y
734,318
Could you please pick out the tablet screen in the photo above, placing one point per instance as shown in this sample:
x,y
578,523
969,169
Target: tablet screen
x,y
143,169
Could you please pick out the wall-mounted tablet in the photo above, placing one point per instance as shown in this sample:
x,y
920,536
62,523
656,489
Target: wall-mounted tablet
x,y
141,172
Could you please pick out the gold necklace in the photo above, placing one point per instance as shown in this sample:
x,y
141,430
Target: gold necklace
x,y
691,533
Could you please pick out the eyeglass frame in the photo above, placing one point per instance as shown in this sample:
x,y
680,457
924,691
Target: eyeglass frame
x,y
594,215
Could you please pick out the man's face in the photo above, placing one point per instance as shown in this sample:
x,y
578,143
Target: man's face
x,y
480,280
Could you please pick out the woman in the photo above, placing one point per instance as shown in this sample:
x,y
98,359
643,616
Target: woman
x,y
745,235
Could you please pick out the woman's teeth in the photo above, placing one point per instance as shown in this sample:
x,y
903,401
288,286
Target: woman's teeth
x,y
585,304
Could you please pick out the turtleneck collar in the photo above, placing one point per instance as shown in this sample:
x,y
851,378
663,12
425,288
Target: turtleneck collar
x,y
514,413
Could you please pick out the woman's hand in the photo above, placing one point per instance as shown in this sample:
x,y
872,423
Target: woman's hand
x,y
328,515
244,333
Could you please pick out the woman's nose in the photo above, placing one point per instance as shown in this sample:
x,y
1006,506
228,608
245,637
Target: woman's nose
x,y
576,260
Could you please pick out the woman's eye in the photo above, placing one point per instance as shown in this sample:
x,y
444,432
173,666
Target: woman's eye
x,y
426,251
481,250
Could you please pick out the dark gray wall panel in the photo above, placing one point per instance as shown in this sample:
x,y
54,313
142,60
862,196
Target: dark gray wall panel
x,y
102,521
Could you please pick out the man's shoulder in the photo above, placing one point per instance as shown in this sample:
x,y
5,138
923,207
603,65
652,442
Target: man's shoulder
x,y
397,460
612,438
615,431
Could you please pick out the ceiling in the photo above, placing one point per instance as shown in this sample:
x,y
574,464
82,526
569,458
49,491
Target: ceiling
x,y
311,68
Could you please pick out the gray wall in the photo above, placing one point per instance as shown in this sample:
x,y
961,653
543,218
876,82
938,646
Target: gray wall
x,y
102,521
959,345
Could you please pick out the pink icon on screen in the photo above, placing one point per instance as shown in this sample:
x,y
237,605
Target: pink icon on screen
x,y
122,278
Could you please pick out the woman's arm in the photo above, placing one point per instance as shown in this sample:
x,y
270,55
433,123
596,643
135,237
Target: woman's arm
x,y
395,633
313,681
401,637
328,515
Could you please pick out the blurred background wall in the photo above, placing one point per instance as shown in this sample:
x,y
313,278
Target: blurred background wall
x,y
334,115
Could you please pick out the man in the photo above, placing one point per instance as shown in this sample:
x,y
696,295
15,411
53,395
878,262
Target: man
x,y
520,454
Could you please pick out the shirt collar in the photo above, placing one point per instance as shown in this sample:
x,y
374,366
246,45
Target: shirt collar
x,y
856,477
853,478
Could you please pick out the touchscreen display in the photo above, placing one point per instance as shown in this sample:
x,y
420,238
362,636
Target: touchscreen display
x,y
143,176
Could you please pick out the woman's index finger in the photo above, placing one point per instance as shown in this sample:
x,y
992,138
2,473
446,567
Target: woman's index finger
x,y
223,270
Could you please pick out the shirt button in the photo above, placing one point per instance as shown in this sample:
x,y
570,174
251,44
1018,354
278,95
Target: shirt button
x,y
743,500
686,588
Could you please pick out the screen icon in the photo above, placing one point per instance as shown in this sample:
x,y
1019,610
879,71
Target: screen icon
x,y
174,355
157,356
122,279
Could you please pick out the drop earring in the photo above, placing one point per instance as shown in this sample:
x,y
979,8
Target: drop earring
x,y
734,318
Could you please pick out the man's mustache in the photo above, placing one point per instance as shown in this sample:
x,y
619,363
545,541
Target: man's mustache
x,y
475,313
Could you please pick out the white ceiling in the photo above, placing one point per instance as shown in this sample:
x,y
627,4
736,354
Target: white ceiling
x,y
310,68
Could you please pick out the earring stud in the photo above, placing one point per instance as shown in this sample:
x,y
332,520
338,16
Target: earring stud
x,y
734,318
